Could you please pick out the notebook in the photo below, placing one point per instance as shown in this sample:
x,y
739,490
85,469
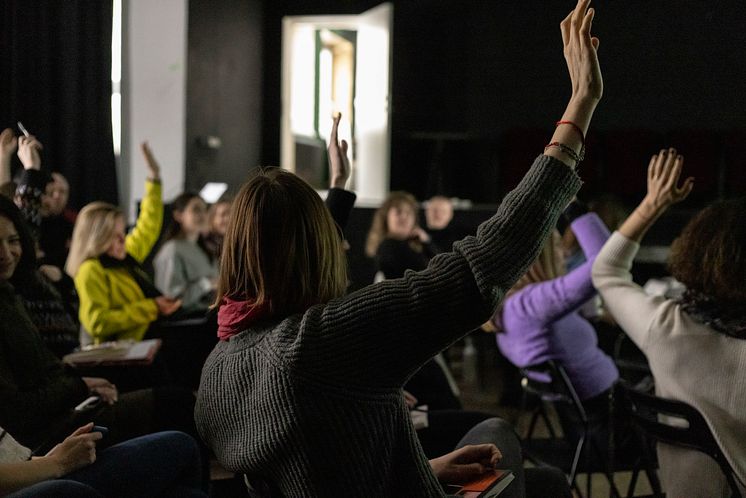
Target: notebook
x,y
116,353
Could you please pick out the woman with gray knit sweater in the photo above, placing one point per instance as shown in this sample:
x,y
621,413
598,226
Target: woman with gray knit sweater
x,y
304,392
696,345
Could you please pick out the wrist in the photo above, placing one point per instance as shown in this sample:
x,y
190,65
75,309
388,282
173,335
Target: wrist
x,y
650,208
339,182
52,466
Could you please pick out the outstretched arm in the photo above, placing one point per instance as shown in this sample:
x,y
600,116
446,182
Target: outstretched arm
x,y
339,201
8,145
381,334
142,238
628,303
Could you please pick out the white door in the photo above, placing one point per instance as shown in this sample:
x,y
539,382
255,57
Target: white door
x,y
371,144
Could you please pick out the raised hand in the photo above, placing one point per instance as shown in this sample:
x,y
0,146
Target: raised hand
x,y
77,451
580,49
8,145
465,463
154,170
664,191
419,234
167,306
664,172
28,152
339,163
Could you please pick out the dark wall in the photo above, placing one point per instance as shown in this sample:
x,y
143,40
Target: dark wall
x,y
224,90
482,71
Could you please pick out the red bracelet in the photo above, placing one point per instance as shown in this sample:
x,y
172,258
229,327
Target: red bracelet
x,y
577,128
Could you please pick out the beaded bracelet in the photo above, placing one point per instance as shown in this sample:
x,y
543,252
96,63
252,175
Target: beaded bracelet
x,y
577,157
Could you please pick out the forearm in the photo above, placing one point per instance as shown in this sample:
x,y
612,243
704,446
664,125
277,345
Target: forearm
x,y
4,169
579,111
639,222
15,476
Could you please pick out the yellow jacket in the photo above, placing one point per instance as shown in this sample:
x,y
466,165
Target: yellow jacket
x,y
112,305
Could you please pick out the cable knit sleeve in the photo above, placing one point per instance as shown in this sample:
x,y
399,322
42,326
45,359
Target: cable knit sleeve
x,y
381,334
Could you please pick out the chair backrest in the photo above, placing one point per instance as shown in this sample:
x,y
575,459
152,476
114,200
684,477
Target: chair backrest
x,y
662,419
550,382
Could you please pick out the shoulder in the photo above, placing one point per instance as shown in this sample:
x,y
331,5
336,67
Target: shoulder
x,y
168,249
89,267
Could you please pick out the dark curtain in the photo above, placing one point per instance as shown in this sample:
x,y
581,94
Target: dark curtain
x,y
55,77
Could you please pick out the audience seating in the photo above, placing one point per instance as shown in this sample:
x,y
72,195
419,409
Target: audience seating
x,y
584,456
649,413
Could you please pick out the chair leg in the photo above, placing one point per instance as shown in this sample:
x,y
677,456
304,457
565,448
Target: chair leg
x,y
576,460
633,482
547,422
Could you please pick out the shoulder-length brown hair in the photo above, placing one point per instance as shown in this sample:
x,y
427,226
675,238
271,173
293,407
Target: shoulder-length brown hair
x,y
379,228
282,249
710,254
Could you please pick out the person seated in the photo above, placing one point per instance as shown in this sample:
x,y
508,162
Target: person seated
x,y
118,299
439,222
184,267
696,344
217,224
74,467
540,321
37,392
395,239
305,392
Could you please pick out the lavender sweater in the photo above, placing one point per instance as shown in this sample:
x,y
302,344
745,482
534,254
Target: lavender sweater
x,y
541,322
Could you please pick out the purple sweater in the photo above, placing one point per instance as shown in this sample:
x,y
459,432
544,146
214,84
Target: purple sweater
x,y
541,322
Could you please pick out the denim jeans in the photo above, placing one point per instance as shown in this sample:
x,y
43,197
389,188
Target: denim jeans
x,y
161,464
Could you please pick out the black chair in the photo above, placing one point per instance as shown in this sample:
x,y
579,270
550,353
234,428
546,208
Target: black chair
x,y
646,411
550,383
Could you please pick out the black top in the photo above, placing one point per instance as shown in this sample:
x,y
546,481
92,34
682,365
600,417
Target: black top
x,y
394,257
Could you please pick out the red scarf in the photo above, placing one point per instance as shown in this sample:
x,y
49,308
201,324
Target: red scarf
x,y
236,316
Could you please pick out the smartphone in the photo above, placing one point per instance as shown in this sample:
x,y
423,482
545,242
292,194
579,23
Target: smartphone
x,y
100,428
23,129
90,402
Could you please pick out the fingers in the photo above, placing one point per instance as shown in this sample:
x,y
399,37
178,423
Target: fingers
x,y
585,28
565,28
83,430
577,19
673,170
344,147
335,127
685,189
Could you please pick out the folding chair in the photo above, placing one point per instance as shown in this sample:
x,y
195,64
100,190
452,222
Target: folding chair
x,y
549,381
646,411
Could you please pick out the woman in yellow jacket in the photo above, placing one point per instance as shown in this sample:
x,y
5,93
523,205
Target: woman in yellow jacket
x,y
118,300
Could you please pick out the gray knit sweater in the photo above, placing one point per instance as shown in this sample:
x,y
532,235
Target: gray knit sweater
x,y
313,403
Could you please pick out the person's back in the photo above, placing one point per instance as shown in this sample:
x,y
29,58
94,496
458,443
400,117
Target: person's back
x,y
304,391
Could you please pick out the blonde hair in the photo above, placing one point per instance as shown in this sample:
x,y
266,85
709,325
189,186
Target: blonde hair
x,y
548,265
282,249
92,234
379,228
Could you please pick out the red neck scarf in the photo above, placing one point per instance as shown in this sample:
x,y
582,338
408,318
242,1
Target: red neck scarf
x,y
236,316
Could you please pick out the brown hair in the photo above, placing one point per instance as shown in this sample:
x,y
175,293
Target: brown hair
x,y
709,256
282,249
379,228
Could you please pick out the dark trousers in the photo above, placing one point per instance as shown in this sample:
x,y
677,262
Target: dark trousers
x,y
161,464
539,482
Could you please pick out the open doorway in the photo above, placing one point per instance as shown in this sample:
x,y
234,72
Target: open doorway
x,y
338,64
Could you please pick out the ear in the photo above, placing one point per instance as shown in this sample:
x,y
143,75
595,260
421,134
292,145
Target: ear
x,y
178,216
